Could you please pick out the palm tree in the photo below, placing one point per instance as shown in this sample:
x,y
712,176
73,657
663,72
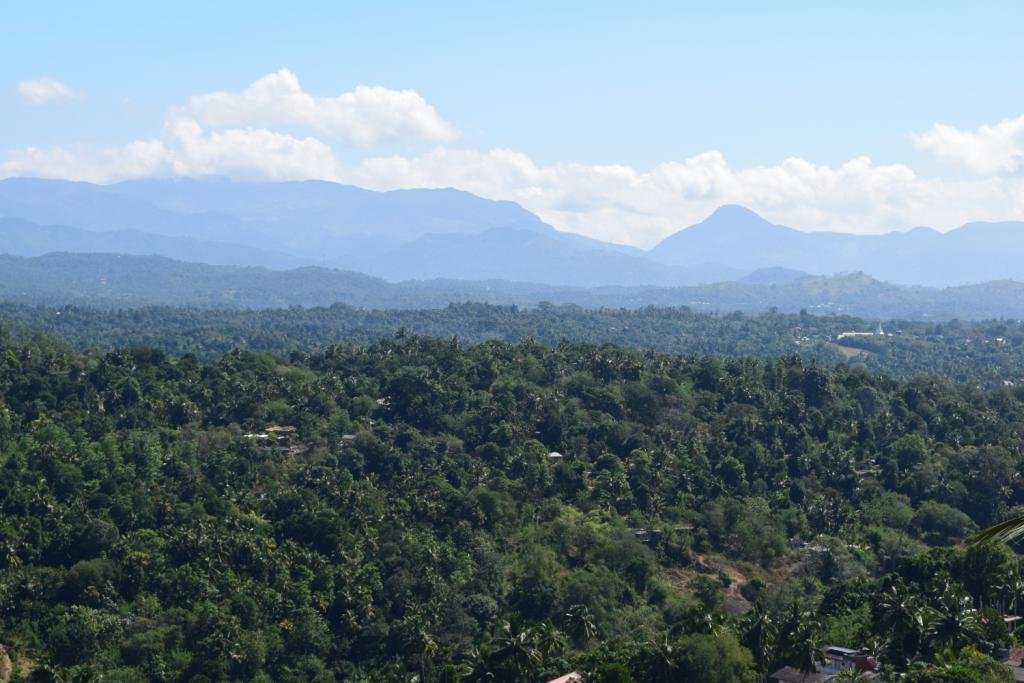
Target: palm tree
x,y
517,653
808,648
479,667
699,619
900,621
1016,587
899,611
661,662
581,625
1005,531
759,635
800,640
549,639
953,623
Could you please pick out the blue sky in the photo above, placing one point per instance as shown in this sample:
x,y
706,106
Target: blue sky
x,y
580,85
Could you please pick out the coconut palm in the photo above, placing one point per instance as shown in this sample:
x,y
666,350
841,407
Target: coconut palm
x,y
900,621
1005,532
549,639
480,667
759,634
661,662
516,652
953,622
899,611
800,640
699,619
807,651
580,623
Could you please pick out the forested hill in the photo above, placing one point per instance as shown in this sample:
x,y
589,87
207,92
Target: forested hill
x,y
982,353
114,281
495,512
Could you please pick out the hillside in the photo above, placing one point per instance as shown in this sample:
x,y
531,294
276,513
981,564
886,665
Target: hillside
x,y
108,280
987,353
418,507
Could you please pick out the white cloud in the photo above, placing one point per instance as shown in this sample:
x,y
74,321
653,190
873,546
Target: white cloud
x,y
234,135
364,117
46,91
618,203
989,149
184,149
623,204
247,152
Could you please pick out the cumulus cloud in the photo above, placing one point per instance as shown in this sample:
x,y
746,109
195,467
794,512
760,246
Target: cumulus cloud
x,y
363,117
251,152
611,202
235,135
46,91
989,149
184,149
624,204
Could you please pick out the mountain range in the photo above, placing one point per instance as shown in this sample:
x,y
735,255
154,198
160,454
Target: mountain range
x,y
445,233
123,281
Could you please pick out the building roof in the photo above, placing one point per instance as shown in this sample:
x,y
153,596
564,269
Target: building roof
x,y
574,677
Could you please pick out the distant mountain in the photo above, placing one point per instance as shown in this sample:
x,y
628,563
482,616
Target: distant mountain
x,y
402,234
733,235
548,257
772,276
22,238
446,233
117,281
306,218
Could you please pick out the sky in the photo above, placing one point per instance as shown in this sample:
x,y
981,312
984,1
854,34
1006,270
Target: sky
x,y
621,121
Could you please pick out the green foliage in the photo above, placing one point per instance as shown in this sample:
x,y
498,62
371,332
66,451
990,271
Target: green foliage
x,y
941,524
989,353
967,666
410,515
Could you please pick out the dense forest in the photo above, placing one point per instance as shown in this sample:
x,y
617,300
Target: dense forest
x,y
986,353
415,508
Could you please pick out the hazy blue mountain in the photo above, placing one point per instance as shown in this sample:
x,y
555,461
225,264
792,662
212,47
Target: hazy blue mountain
x,y
772,276
445,233
116,281
528,256
311,219
733,235
22,238
399,235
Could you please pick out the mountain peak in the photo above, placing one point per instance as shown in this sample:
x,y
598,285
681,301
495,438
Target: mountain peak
x,y
735,221
729,222
733,212
732,232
